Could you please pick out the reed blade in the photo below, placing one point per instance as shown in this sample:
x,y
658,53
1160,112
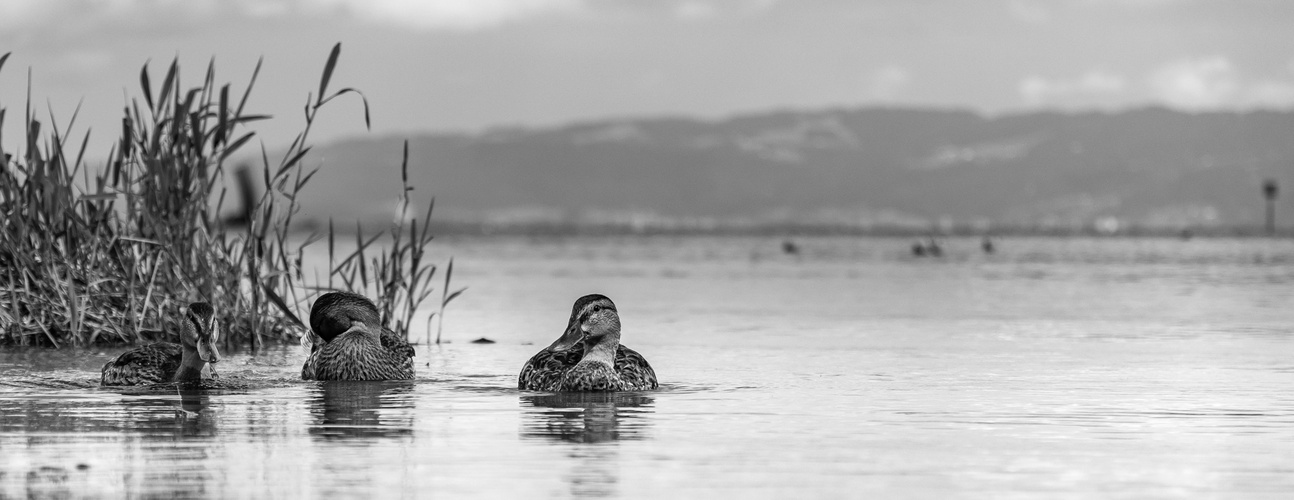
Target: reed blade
x,y
283,306
327,72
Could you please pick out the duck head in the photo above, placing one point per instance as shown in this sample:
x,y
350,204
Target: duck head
x,y
334,313
199,330
593,317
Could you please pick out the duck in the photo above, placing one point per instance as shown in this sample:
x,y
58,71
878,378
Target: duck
x,y
588,356
189,361
353,343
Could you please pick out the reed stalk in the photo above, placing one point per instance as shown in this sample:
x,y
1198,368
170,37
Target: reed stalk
x,y
110,257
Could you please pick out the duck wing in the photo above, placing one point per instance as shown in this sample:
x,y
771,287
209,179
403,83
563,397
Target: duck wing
x,y
308,369
634,370
395,343
391,341
151,364
544,370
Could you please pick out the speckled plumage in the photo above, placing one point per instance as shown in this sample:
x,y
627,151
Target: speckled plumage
x,y
161,362
556,372
355,356
372,352
561,368
151,364
396,344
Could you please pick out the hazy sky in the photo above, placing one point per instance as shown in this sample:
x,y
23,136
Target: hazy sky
x,y
470,64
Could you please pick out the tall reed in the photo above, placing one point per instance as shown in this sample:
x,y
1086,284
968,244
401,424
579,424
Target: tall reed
x,y
107,255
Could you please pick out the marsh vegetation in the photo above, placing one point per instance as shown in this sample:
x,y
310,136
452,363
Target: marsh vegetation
x,y
105,252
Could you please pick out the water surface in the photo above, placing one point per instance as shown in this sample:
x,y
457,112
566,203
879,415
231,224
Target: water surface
x,y
1063,368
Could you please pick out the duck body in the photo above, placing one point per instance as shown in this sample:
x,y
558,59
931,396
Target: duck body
x,y
353,344
561,371
397,345
162,362
154,363
589,356
357,355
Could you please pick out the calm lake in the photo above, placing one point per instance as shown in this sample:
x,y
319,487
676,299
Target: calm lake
x,y
1054,367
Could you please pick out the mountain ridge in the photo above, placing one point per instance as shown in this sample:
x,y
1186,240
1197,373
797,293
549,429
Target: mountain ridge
x,y
865,167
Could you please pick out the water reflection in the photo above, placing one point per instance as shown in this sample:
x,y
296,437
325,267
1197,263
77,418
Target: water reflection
x,y
178,428
594,422
152,440
190,414
349,409
586,417
156,412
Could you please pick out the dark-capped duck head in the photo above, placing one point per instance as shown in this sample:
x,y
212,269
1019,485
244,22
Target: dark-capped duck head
x,y
593,317
335,313
199,330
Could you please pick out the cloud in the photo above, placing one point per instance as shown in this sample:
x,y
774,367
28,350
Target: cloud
x,y
1191,83
694,11
1094,85
1213,82
1131,3
16,13
1029,12
445,14
699,10
423,14
885,83
1270,93
1196,83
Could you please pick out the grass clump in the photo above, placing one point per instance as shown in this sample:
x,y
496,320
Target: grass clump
x,y
106,255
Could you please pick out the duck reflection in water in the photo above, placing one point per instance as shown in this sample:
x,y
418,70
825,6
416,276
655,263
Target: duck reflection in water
x,y
591,423
184,413
166,434
586,417
353,409
192,416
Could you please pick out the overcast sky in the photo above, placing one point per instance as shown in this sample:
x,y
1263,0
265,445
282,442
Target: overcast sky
x,y
470,64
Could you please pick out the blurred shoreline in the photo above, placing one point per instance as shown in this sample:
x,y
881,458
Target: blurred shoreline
x,y
479,228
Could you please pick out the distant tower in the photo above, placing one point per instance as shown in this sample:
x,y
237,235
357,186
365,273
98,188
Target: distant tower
x,y
1270,192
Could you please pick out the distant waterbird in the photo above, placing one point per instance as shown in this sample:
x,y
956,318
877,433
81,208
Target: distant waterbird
x,y
588,356
987,245
1270,191
159,362
353,344
790,248
928,248
934,249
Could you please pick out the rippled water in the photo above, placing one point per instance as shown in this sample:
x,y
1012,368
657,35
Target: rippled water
x,y
1072,368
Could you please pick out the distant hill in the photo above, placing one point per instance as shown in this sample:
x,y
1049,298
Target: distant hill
x,y
857,167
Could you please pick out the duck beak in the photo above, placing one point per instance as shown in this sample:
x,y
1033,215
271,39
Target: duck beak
x,y
208,352
572,336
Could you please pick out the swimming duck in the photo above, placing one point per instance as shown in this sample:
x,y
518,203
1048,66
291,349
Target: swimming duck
x,y
354,344
190,360
588,356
